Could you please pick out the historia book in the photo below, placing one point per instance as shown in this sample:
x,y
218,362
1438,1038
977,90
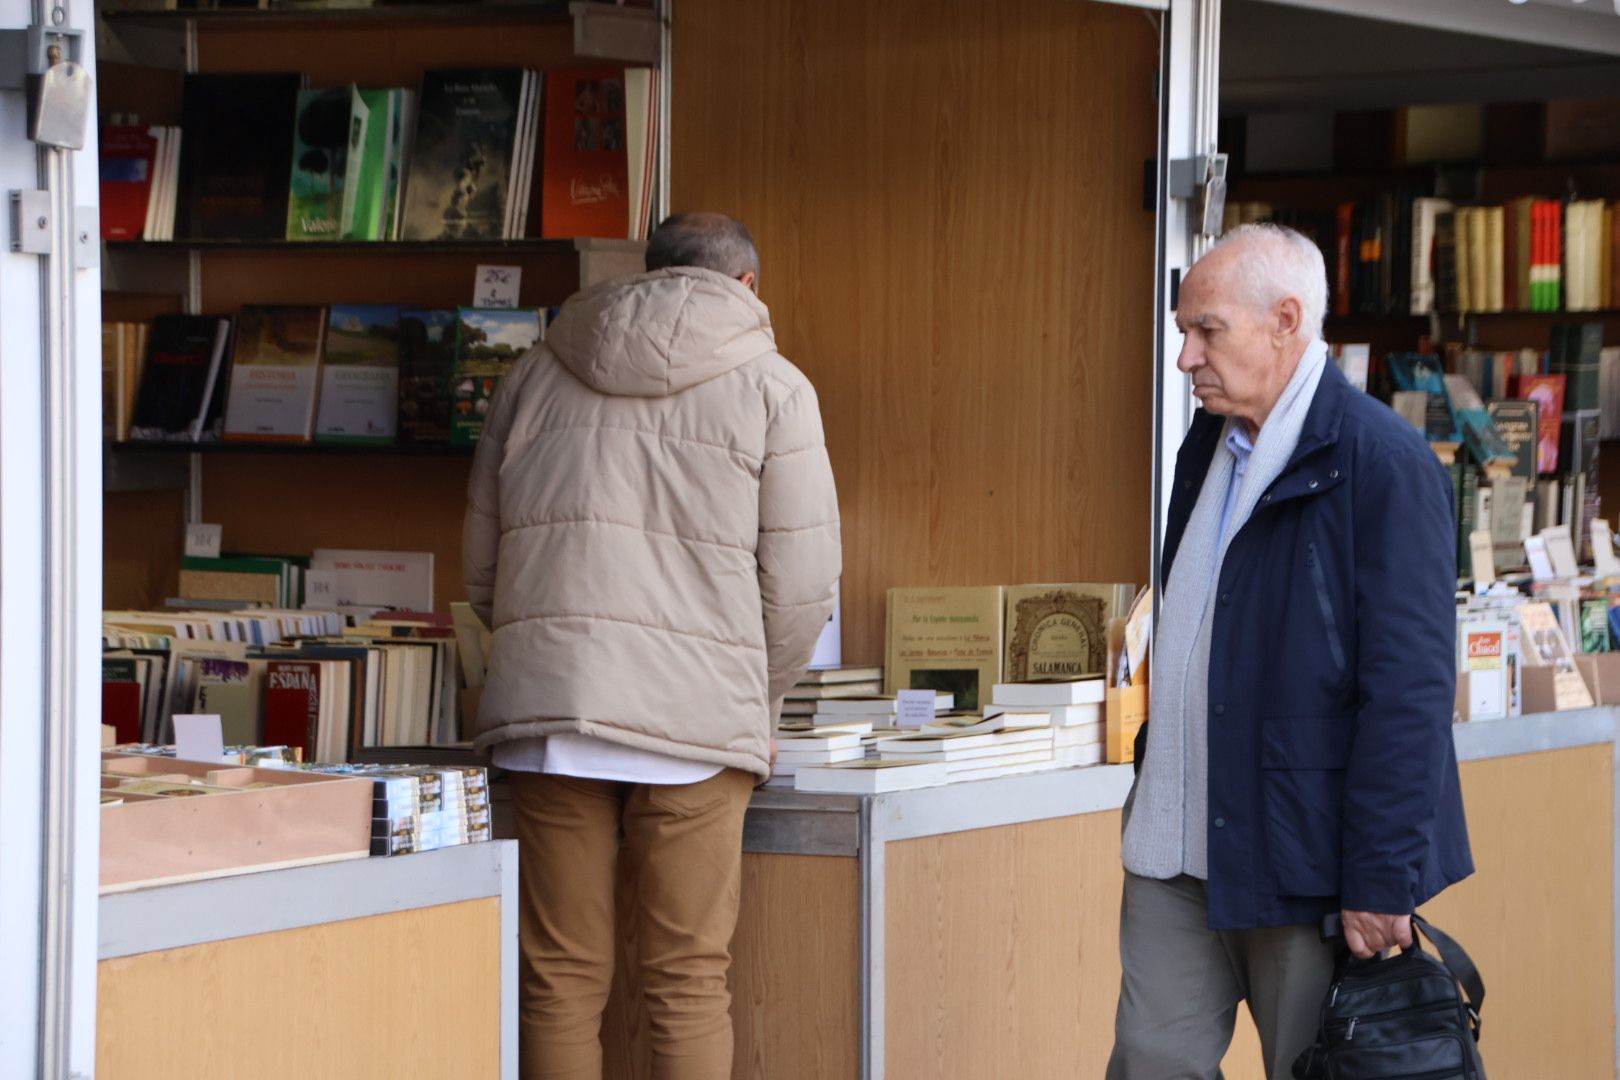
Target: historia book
x,y
467,137
946,639
360,375
275,378
1061,631
488,341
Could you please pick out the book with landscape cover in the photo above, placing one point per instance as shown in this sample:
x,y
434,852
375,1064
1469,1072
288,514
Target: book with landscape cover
x,y
178,381
1061,631
427,352
467,129
488,340
236,155
360,375
275,377
946,639
329,144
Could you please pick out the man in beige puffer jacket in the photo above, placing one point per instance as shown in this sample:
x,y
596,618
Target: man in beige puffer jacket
x,y
652,534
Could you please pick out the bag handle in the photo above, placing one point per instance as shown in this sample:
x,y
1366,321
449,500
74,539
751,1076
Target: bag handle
x,y
1452,955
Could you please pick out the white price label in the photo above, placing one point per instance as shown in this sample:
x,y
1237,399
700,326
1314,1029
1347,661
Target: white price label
x,y
199,737
320,589
497,286
203,541
916,708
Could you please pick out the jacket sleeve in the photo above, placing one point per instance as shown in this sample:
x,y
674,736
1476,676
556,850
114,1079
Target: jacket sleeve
x,y
800,553
1405,588
481,530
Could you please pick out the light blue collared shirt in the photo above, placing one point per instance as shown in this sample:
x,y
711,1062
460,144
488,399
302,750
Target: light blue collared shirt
x,y
1237,441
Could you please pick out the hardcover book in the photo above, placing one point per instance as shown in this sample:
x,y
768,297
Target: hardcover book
x,y
275,378
1517,423
128,167
466,138
488,341
587,164
236,155
1061,631
360,375
1547,392
427,352
179,379
946,639
292,704
328,154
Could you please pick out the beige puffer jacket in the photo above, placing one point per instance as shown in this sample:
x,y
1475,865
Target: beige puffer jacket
x,y
652,529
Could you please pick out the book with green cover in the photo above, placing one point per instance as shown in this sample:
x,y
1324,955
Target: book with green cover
x,y
427,352
488,341
370,168
329,139
360,375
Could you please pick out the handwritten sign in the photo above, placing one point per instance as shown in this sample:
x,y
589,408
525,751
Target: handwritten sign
x,y
497,286
916,708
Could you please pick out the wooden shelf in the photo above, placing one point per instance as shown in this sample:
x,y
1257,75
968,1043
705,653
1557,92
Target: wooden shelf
x,y
542,11
294,449
1452,316
534,246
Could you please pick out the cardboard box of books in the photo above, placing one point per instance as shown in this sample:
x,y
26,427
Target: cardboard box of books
x,y
166,820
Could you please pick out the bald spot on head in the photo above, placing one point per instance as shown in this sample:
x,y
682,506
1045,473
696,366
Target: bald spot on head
x,y
706,240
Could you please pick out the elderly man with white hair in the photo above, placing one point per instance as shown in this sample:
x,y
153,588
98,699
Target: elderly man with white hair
x,y
1298,761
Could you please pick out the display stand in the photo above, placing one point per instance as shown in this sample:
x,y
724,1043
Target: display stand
x,y
404,966
970,930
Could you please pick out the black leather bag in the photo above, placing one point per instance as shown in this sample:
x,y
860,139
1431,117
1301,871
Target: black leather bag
x,y
1410,1016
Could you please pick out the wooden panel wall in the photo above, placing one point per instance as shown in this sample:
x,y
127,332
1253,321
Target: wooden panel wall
x,y
947,195
415,993
795,975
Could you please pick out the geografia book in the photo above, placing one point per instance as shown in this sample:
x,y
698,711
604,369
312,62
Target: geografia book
x,y
359,400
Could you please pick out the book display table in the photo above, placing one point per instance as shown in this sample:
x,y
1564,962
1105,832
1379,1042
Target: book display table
x,y
969,931
402,966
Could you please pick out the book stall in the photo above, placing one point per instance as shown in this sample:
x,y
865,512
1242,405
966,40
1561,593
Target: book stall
x,y
327,231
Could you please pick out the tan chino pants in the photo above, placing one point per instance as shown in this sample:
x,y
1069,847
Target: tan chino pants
x,y
684,844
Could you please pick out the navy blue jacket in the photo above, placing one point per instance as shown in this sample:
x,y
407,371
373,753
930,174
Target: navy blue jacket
x,y
1332,673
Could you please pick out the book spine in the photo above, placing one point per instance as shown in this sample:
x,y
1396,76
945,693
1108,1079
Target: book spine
x,y
1345,250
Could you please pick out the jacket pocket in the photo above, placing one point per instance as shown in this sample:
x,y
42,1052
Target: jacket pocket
x,y
1324,603
1302,771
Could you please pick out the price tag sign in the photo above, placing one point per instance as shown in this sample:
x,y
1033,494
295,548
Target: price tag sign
x,y
916,708
320,589
497,286
203,541
199,737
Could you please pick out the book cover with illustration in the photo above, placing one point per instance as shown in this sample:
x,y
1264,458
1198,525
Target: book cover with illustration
x,y
427,350
360,375
275,377
329,141
586,176
488,340
128,167
467,131
1061,631
946,639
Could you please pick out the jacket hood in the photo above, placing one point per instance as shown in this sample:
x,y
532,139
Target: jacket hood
x,y
659,333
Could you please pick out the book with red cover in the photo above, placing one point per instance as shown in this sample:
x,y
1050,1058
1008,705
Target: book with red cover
x,y
128,160
586,176
1348,254
292,704
121,707
1547,391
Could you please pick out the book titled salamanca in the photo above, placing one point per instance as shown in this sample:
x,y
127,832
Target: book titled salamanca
x,y
467,138
275,377
360,375
1061,631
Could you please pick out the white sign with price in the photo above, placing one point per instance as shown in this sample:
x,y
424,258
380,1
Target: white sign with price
x,y
497,286
916,708
203,541
199,737
320,589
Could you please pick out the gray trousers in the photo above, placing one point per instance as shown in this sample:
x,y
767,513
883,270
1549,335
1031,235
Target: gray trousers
x,y
1182,984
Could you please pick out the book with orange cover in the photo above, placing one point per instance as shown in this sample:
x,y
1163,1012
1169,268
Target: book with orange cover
x,y
598,136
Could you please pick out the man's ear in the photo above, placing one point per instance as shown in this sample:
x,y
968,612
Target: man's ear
x,y
750,280
1289,314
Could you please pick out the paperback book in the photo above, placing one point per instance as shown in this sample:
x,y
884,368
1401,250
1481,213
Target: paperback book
x,y
236,155
180,377
328,154
360,375
427,351
275,378
488,341
467,142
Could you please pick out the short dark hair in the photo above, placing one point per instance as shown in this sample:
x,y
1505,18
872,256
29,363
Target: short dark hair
x,y
708,241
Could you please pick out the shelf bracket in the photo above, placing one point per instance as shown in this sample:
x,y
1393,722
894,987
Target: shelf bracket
x,y
1202,177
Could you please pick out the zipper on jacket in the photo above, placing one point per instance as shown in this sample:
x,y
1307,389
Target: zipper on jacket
x,y
1319,582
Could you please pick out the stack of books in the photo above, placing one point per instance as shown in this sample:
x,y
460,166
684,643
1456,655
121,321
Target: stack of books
x,y
422,807
871,776
970,755
879,710
826,684
1074,709
796,749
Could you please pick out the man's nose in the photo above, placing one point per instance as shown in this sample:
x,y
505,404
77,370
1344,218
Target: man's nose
x,y
1191,357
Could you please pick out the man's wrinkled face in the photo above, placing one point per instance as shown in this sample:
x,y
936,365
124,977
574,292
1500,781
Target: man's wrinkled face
x,y
1230,348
